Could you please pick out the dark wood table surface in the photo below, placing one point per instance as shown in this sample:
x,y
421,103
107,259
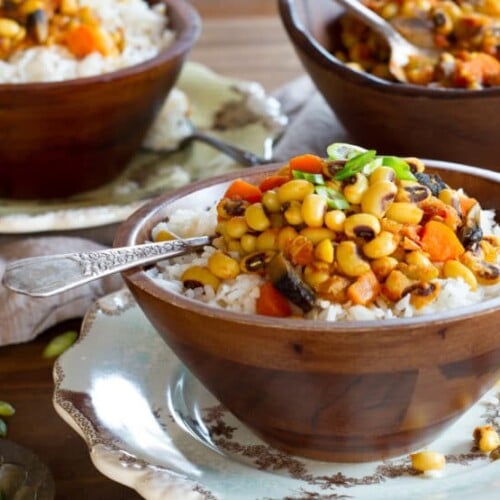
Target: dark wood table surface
x,y
260,51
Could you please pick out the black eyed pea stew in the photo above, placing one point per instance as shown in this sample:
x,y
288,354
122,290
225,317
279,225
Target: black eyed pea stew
x,y
353,228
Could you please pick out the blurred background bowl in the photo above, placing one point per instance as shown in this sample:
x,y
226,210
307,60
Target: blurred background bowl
x,y
446,124
61,138
340,391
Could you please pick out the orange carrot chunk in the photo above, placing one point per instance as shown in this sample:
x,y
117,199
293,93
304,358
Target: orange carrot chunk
x,y
272,182
307,163
242,190
440,242
82,40
364,290
272,303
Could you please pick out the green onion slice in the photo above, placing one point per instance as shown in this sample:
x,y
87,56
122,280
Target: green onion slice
x,y
316,179
3,428
400,167
355,165
6,409
343,151
334,199
59,344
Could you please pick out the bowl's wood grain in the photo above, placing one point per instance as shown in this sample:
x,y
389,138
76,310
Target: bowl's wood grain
x,y
332,391
445,124
62,138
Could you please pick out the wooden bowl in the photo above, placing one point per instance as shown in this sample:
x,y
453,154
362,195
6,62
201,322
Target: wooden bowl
x,y
62,138
446,124
339,391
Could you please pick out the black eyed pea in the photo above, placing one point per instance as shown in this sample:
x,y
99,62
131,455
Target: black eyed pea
x,y
69,7
196,276
271,201
485,272
349,261
223,266
378,197
9,28
285,236
486,438
362,225
236,227
316,234
256,218
277,220
313,210
324,251
450,197
423,294
334,220
416,164
382,174
382,266
412,192
404,212
294,190
354,191
314,276
248,243
383,245
455,269
267,240
234,246
424,461
256,262
293,213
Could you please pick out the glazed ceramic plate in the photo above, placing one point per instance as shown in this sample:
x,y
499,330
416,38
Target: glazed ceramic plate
x,y
150,425
238,112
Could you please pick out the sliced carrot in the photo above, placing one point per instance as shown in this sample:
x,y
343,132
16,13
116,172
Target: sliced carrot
x,y
243,190
440,242
365,289
272,303
307,163
272,182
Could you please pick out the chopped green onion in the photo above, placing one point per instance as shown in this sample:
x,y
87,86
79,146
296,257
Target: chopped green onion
x,y
400,167
312,178
355,165
6,409
371,166
59,344
334,199
343,151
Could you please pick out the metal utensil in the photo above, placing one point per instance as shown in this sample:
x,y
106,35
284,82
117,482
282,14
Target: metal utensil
x,y
401,48
47,275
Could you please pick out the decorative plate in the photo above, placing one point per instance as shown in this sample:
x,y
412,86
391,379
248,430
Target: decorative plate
x,y
238,112
150,425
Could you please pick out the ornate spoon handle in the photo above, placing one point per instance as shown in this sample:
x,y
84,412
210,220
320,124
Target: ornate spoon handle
x,y
48,275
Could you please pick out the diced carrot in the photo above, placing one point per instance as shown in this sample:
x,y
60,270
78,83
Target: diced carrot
x,y
365,289
243,190
466,204
272,303
307,163
440,242
83,39
272,182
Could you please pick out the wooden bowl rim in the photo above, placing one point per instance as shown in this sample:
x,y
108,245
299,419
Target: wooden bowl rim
x,y
129,229
304,40
184,39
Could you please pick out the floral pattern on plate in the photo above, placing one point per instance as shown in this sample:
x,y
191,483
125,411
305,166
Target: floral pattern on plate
x,y
149,424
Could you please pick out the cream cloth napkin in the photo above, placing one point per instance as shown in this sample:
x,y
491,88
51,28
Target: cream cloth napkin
x,y
312,126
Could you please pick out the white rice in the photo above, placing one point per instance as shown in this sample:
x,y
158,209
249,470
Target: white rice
x,y
144,34
240,294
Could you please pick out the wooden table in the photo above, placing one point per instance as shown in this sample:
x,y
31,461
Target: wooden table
x,y
239,39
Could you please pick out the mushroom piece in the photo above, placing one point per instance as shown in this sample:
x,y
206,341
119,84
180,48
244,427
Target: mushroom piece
x,y
285,279
471,233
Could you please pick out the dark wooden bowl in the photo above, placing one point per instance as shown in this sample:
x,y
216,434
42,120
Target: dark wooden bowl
x,y
446,124
339,391
57,139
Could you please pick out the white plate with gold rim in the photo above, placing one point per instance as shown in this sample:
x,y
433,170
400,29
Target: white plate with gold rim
x,y
236,111
150,425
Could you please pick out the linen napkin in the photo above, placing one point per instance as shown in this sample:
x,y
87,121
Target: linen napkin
x,y
312,126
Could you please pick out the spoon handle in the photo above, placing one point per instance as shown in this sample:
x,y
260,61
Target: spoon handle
x,y
48,275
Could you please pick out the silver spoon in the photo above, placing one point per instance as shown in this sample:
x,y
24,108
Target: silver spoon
x,y
48,275
401,49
